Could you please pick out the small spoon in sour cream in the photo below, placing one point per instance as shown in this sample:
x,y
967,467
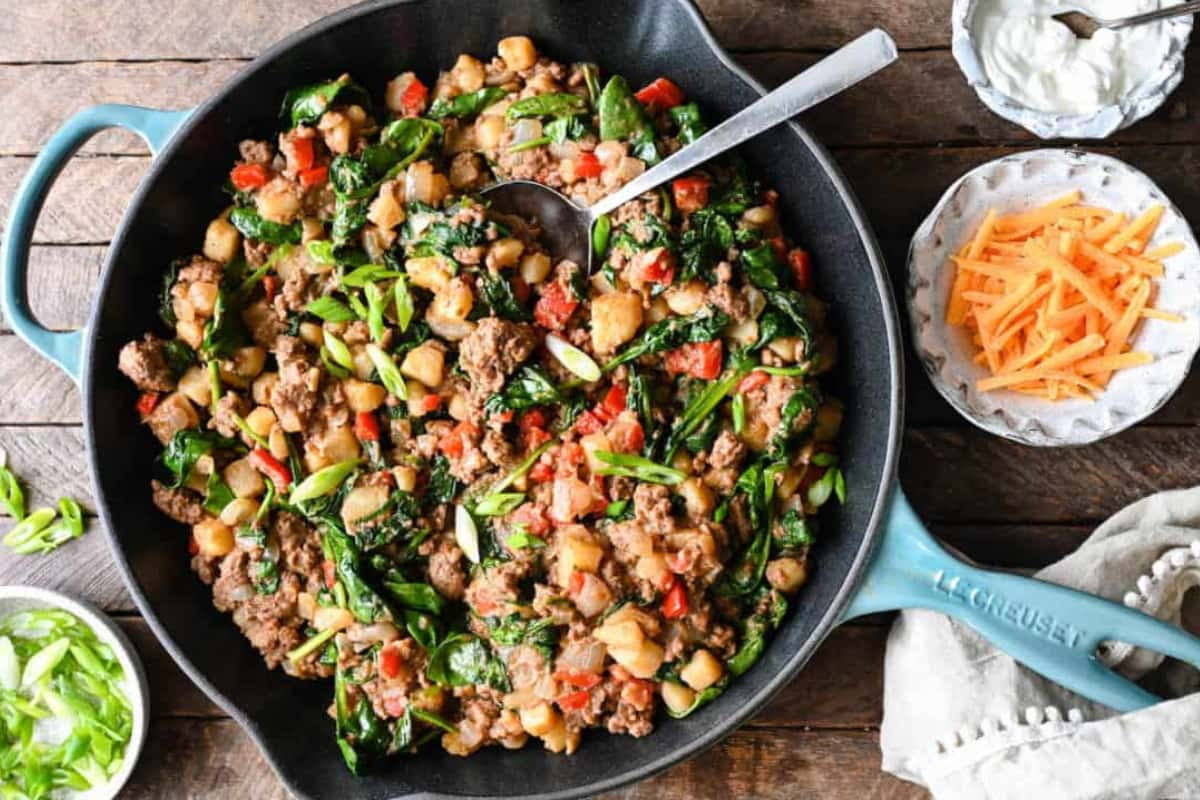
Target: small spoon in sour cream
x,y
1084,24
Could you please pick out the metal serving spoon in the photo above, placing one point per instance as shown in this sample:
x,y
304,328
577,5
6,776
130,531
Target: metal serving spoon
x,y
1084,25
567,226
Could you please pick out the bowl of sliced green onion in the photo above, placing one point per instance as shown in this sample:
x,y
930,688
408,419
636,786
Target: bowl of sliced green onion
x,y
73,698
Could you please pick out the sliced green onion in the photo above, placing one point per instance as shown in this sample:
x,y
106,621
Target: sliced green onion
x,y
643,469
389,373
330,309
369,273
10,668
321,251
600,235
819,492
522,540
739,413
529,145
574,359
433,719
338,351
498,504
245,428
791,372
29,527
404,303
43,661
839,486
466,534
311,645
616,508
335,369
12,499
214,385
523,467
323,481
374,311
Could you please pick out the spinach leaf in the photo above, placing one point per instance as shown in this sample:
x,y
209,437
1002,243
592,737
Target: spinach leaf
x,y
794,306
795,531
166,305
180,356
704,244
366,605
417,596
551,104
442,237
217,494
772,324
653,232
252,226
703,326
771,607
801,402
349,217
497,295
265,575
513,630
687,119
306,104
423,627
529,387
623,117
226,331
561,129
466,105
360,734
465,660
591,79
640,398
763,267
442,486
395,520
187,446
569,410
410,138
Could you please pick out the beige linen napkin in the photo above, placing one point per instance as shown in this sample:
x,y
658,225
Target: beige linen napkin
x,y
966,721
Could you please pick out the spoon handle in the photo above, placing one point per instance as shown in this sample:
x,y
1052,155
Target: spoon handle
x,y
1151,16
842,69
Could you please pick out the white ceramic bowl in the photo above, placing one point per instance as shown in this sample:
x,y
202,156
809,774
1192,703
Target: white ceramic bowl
x,y
21,598
1141,101
1020,182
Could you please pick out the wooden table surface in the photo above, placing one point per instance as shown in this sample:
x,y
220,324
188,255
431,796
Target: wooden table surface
x,y
901,138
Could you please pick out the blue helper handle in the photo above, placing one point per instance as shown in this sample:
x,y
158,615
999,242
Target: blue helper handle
x,y
153,125
1050,629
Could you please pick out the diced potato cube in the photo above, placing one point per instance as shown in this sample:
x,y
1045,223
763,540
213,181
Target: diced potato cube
x,y
239,511
190,331
458,407
454,302
338,444
641,661
790,480
244,479
405,477
203,297
467,74
332,618
261,420
426,363
687,298
386,210
363,501
429,272
488,130
653,568
517,52
504,253
702,671
221,241
196,386
786,574
590,444
678,697
262,387
540,719
243,367
697,498
624,633
577,551
558,739
312,334
535,267
616,318
172,414
213,538
363,396
278,443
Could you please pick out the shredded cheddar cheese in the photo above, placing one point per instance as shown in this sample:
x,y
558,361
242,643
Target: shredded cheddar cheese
x,y
1053,296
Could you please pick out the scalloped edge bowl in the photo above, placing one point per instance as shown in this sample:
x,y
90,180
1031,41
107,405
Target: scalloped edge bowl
x,y
1019,182
15,598
1142,101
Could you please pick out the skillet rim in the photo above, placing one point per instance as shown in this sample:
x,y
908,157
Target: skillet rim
x,y
771,684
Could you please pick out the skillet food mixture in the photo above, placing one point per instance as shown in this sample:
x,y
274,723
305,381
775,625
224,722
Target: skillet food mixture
x,y
491,497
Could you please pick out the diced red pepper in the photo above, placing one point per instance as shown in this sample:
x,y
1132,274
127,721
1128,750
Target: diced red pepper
x,y
577,678
576,582
329,572
572,454
267,464
390,662
541,472
430,402
661,269
302,153
588,166
628,437
588,422
555,306
660,95
679,561
454,442
248,176
691,193
801,265
675,604
193,545
521,290
314,176
535,438
778,245
752,381
698,359
270,286
533,517
533,418
366,427
146,403
575,700
613,402
414,97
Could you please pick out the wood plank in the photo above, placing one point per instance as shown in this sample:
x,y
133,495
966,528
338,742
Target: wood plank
x,y
32,390
54,30
51,463
48,94
84,569
1012,546
86,202
214,758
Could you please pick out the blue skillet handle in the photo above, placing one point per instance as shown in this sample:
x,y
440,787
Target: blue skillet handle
x,y
1050,629
156,127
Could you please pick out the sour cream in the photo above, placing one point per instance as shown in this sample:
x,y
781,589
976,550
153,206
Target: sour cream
x,y
1039,62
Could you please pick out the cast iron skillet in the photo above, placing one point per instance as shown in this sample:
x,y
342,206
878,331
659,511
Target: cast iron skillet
x,y
642,39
